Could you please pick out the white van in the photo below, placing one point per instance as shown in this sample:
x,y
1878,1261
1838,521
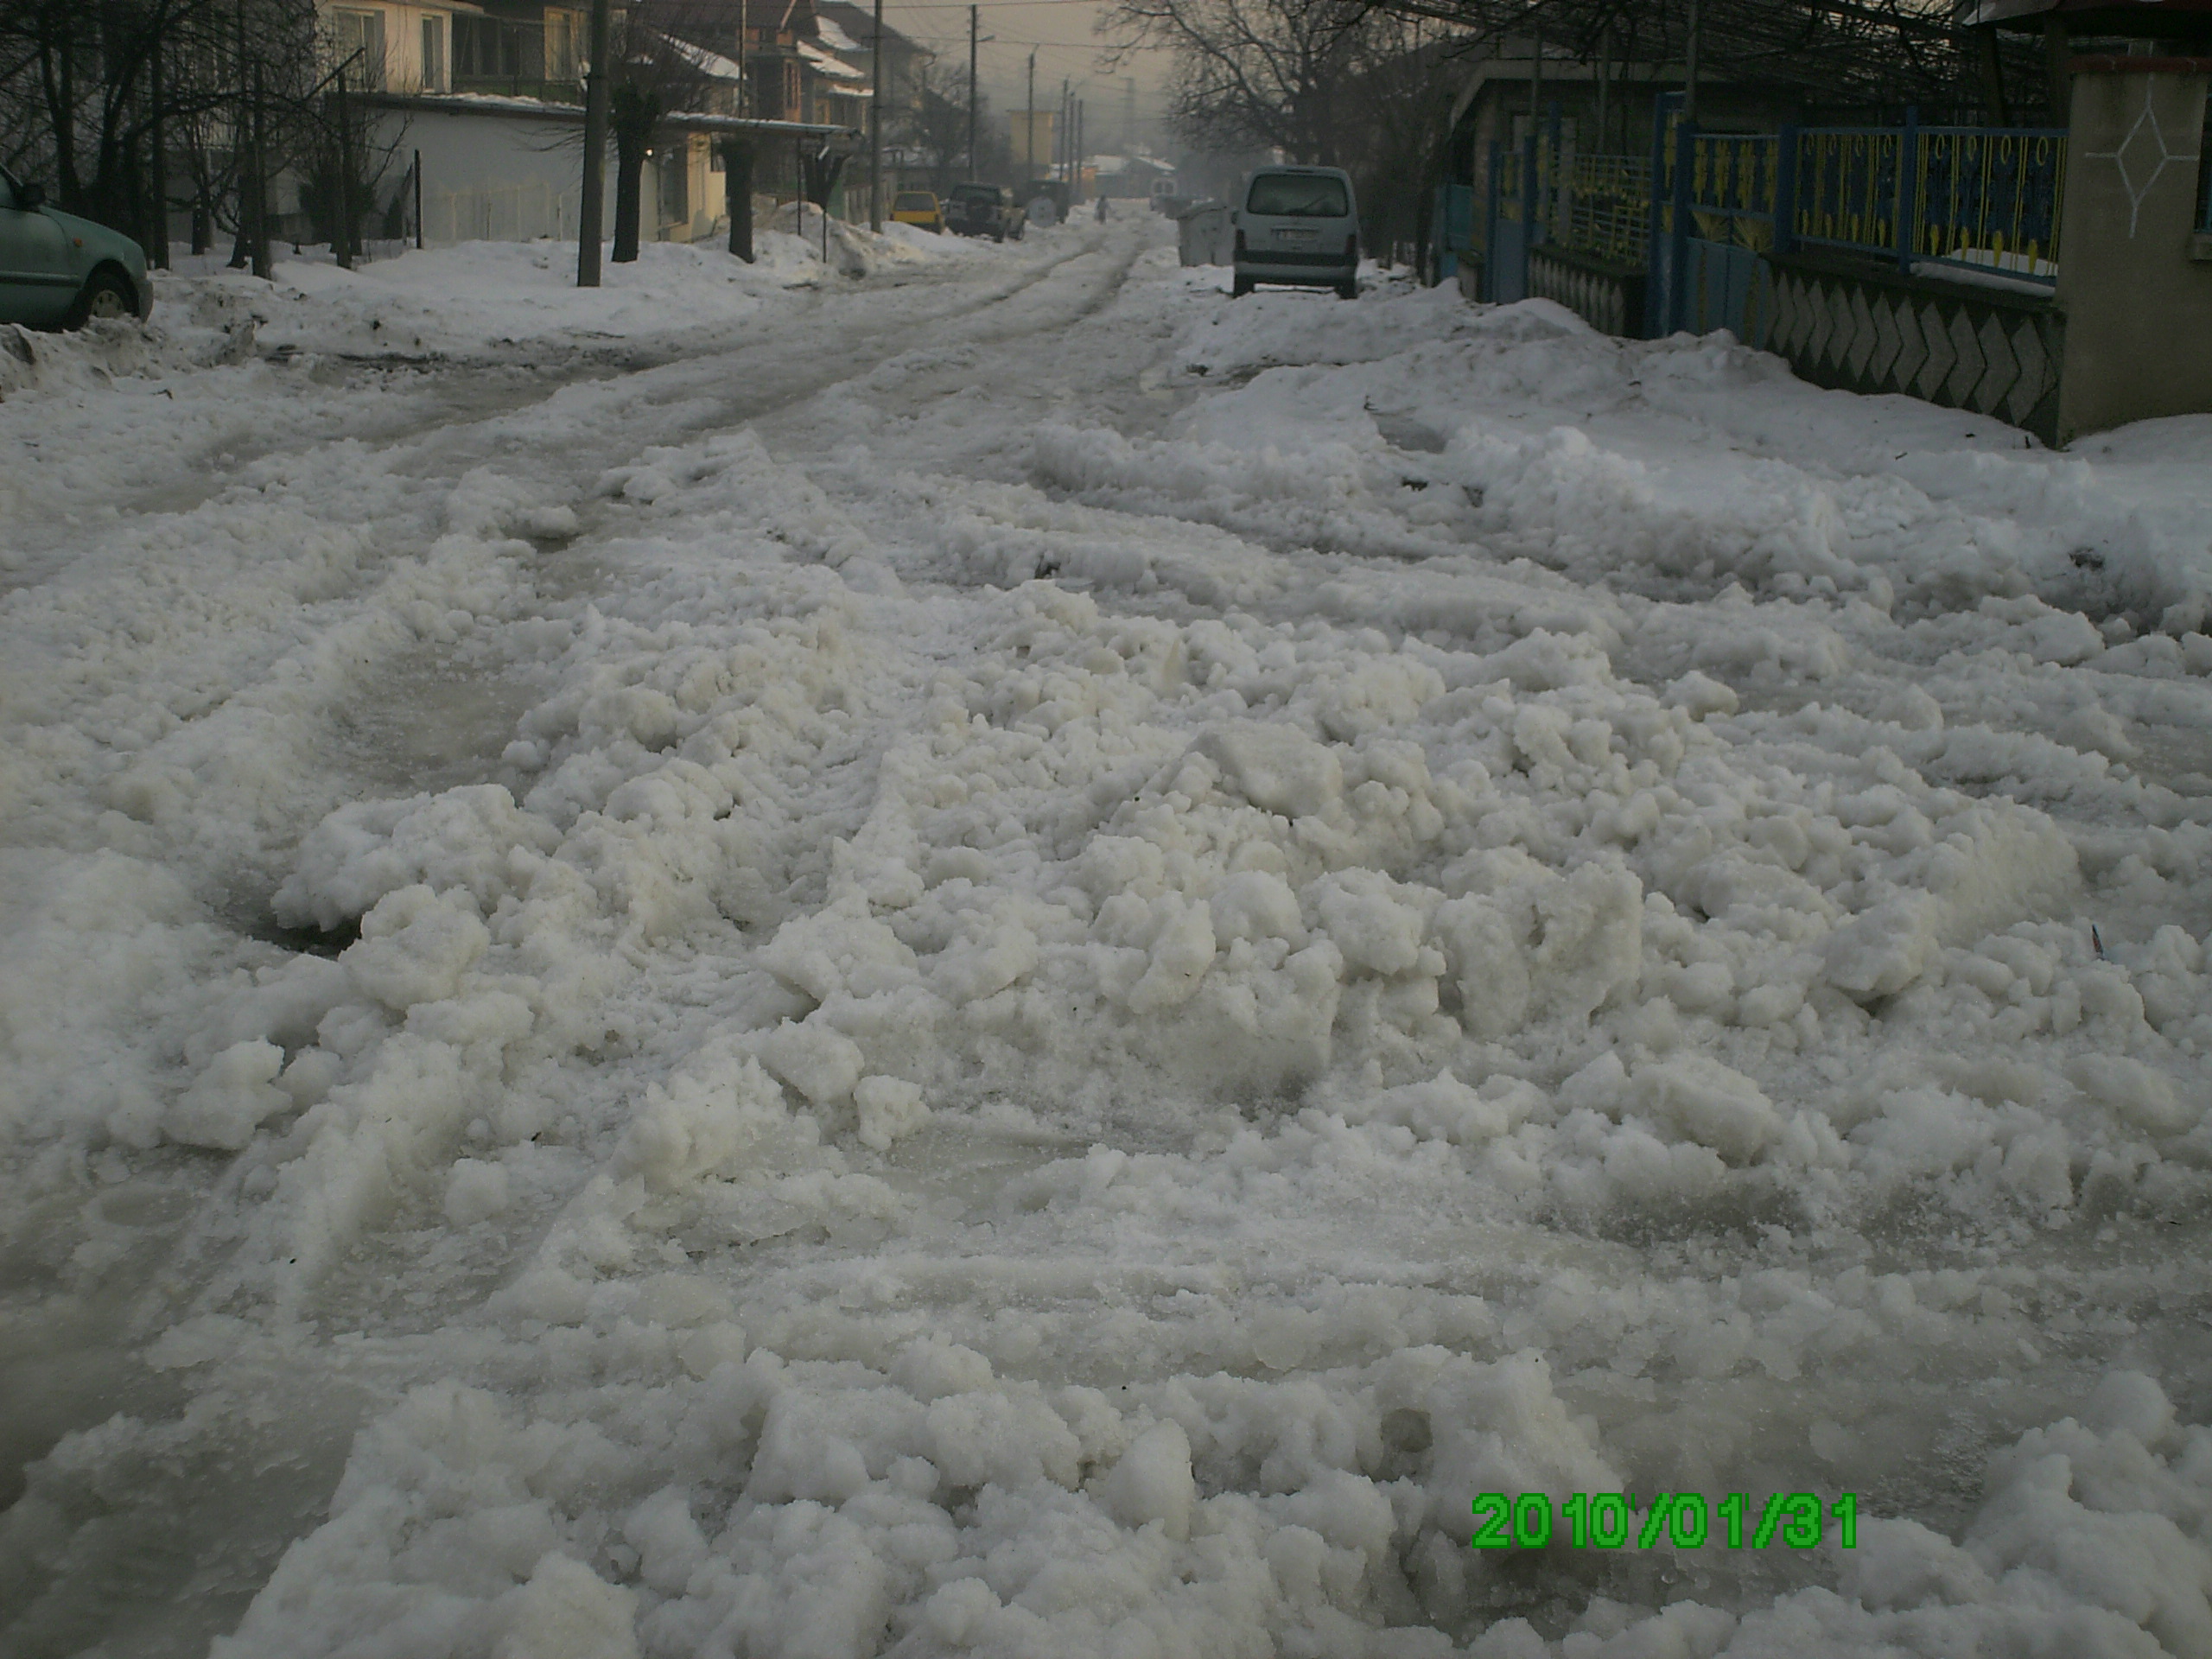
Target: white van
x,y
1297,225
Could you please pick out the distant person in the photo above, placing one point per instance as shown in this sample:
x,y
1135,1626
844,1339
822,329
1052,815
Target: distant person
x,y
1102,210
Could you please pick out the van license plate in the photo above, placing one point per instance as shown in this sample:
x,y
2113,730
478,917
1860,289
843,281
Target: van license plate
x,y
1299,234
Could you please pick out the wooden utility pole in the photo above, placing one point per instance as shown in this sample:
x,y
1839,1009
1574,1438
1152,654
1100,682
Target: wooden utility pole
x,y
972,39
875,129
737,187
593,208
1029,115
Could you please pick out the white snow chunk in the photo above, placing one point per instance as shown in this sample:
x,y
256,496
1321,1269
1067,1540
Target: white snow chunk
x,y
2143,1099
821,1063
414,946
1881,951
1444,1109
229,1099
1710,1103
475,1191
464,838
1277,768
1153,1482
1370,926
890,1108
1257,904
568,1611
1698,694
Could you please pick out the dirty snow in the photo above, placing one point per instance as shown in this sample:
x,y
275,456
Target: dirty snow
x,y
970,952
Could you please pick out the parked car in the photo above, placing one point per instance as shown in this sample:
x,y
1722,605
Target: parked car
x,y
984,210
58,270
1297,225
917,208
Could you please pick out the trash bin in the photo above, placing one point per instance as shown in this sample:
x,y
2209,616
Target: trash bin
x,y
1202,235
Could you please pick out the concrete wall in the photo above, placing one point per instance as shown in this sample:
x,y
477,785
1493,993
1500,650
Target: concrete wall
x,y
499,178
2138,308
493,178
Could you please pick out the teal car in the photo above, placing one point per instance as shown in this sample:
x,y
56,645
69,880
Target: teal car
x,y
59,271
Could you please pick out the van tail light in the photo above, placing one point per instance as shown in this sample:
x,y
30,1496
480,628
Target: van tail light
x,y
1351,247
1239,244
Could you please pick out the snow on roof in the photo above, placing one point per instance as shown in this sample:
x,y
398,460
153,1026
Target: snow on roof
x,y
834,37
831,67
710,64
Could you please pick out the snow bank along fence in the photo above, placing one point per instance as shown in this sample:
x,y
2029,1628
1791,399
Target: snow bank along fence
x,y
2037,275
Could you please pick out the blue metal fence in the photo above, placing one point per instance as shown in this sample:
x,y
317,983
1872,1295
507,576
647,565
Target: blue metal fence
x,y
1979,198
1704,213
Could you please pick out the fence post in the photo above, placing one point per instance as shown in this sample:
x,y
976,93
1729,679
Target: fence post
x,y
1908,239
1679,248
1489,274
1555,153
1657,303
1785,189
1530,187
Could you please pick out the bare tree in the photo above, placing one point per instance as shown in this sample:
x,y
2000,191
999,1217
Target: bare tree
x,y
935,127
102,97
666,59
1265,73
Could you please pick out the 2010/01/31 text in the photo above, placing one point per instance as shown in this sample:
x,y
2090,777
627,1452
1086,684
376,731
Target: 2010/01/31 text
x,y
1683,1519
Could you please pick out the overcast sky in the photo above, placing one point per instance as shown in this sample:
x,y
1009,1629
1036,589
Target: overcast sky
x,y
1059,31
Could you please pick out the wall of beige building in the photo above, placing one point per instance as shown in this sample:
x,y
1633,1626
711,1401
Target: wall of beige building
x,y
2135,272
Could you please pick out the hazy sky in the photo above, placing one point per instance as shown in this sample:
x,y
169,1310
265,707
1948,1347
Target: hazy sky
x,y
1059,31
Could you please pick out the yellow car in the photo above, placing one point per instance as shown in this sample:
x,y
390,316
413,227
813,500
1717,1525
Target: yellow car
x,y
917,208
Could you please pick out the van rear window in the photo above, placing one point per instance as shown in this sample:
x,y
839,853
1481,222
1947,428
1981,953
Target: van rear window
x,y
1294,195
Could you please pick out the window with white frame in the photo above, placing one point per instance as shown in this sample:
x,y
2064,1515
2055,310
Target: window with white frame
x,y
434,55
357,43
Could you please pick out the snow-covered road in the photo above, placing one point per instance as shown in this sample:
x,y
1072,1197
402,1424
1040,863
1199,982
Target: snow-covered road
x,y
991,957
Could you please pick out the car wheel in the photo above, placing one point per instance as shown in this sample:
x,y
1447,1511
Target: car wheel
x,y
1239,287
1348,290
107,295
1000,235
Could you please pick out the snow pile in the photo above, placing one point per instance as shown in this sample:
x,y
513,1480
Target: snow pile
x,y
1412,423
1074,1063
492,296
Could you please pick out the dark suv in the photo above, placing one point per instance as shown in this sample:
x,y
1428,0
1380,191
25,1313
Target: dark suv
x,y
984,210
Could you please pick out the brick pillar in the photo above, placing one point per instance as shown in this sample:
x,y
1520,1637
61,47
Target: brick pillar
x,y
2134,281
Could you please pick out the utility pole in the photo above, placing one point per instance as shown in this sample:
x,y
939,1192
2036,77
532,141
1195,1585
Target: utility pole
x,y
741,56
972,38
1689,72
1029,115
593,207
875,129
1065,134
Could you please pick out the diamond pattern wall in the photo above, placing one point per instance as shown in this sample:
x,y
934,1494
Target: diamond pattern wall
x,y
1998,356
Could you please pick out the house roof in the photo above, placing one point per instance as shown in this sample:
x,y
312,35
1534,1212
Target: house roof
x,y
830,67
2137,19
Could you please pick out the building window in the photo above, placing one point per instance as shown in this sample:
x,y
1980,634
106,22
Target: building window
x,y
564,46
434,55
357,42
488,50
